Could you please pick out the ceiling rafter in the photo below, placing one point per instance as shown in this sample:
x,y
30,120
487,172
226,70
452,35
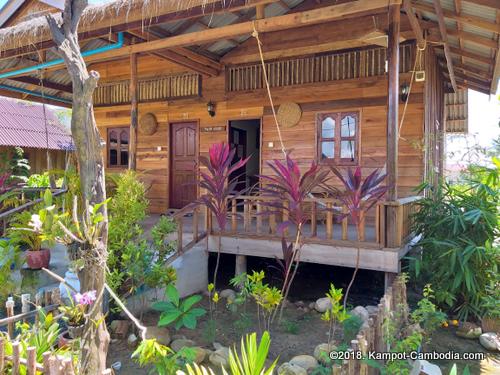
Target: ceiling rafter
x,y
444,36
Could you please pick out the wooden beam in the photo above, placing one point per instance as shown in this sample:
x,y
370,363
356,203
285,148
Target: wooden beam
x,y
467,69
414,23
285,22
36,99
393,101
471,55
47,84
496,68
471,37
442,28
475,81
182,56
134,113
464,19
495,4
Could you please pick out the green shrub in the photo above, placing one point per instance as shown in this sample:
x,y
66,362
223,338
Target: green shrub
x,y
458,226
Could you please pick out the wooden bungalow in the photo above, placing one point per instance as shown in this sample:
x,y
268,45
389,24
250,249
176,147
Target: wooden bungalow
x,y
370,83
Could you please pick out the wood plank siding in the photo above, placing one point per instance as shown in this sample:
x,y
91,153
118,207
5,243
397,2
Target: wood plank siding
x,y
365,94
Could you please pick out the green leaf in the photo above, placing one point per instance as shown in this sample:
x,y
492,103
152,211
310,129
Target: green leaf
x,y
189,302
162,306
453,370
189,320
169,317
172,294
197,312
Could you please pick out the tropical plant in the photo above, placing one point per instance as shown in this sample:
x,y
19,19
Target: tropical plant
x,y
74,314
253,356
160,233
9,260
38,180
164,359
427,315
335,312
267,298
287,190
177,312
458,225
219,186
358,197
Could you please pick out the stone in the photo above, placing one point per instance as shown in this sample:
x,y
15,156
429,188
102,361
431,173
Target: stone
x,y
217,345
322,304
161,334
290,369
322,352
132,340
220,357
119,328
300,303
177,337
228,294
307,362
200,354
311,305
421,367
372,309
181,343
361,312
490,341
469,331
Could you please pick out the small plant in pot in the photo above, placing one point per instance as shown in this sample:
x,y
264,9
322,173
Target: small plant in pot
x,y
74,314
27,231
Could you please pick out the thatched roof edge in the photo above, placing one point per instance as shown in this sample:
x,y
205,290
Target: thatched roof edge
x,y
99,16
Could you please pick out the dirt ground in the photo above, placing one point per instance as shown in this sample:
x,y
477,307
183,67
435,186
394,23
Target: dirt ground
x,y
299,333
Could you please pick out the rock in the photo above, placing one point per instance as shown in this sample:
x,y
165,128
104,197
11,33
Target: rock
x,y
290,369
490,341
322,304
300,304
322,352
217,345
132,340
311,305
307,362
181,343
220,357
177,337
200,354
360,312
228,294
469,331
421,367
372,309
161,334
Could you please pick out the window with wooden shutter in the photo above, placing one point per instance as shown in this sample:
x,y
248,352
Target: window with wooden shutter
x,y
338,138
118,140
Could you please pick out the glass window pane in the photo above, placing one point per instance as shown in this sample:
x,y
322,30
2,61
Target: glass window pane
x,y
347,149
113,139
124,158
348,126
327,150
328,128
124,138
113,157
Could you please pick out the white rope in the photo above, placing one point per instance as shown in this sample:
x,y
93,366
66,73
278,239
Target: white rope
x,y
255,34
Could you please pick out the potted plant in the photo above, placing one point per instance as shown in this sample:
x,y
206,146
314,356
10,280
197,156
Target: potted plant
x,y
490,321
74,314
28,230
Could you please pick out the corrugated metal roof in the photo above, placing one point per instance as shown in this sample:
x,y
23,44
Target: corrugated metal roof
x,y
23,124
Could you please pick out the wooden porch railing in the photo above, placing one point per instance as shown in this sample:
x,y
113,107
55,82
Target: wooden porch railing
x,y
326,225
403,209
183,230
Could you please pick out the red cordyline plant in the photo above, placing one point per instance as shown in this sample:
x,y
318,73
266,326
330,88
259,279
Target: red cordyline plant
x,y
358,197
219,186
288,190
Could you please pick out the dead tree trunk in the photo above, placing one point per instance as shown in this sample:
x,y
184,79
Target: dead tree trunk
x,y
91,165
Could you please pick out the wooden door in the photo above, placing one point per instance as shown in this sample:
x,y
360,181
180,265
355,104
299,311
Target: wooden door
x,y
183,156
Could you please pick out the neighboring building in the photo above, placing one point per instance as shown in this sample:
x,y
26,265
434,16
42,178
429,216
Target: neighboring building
x,y
24,124
192,71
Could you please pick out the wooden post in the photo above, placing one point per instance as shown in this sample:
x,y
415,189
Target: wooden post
x,y
31,361
134,113
196,215
9,306
260,11
2,354
241,265
329,221
392,117
234,216
179,235
16,358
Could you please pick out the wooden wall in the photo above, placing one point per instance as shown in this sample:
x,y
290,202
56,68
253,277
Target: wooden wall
x,y
368,95
38,158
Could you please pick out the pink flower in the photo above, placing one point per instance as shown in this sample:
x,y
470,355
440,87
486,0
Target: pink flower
x,y
86,298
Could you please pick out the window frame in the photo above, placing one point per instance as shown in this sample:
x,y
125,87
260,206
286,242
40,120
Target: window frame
x,y
337,138
118,130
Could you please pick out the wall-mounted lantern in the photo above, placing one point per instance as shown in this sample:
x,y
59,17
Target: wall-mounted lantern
x,y
405,92
211,108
